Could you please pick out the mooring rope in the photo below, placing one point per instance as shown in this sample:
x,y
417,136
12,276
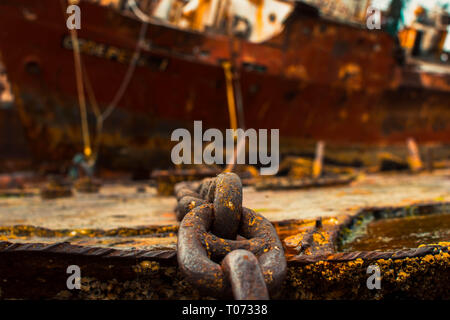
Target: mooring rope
x,y
129,74
235,107
230,94
80,91
138,12
101,117
82,75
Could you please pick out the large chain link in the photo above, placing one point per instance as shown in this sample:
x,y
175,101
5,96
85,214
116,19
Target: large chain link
x,y
224,248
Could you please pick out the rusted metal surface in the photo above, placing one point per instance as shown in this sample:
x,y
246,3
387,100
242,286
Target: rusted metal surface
x,y
16,180
200,248
419,278
324,247
415,78
242,269
87,185
315,267
15,153
14,150
167,179
129,274
66,248
427,266
120,205
5,88
328,274
56,189
370,255
124,232
227,201
316,70
288,183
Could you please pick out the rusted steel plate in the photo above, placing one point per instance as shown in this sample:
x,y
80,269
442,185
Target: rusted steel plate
x,y
329,227
121,207
109,273
151,271
66,248
301,183
369,255
166,179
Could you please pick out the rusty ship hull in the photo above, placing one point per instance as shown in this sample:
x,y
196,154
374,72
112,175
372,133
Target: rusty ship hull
x,y
317,80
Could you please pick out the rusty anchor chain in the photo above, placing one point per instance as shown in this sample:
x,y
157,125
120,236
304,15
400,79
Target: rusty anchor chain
x,y
225,248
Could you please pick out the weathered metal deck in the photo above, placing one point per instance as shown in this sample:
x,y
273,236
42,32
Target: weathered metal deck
x,y
123,205
124,240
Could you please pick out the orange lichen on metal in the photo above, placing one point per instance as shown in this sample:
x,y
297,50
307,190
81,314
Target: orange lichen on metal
x,y
331,280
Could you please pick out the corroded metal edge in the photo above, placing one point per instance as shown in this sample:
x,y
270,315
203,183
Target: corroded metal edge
x,y
30,230
107,253
169,255
369,255
304,183
323,253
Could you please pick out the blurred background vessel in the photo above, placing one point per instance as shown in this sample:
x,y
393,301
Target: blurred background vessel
x,y
309,68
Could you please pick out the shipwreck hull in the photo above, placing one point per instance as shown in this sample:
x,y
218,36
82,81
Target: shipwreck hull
x,y
317,80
